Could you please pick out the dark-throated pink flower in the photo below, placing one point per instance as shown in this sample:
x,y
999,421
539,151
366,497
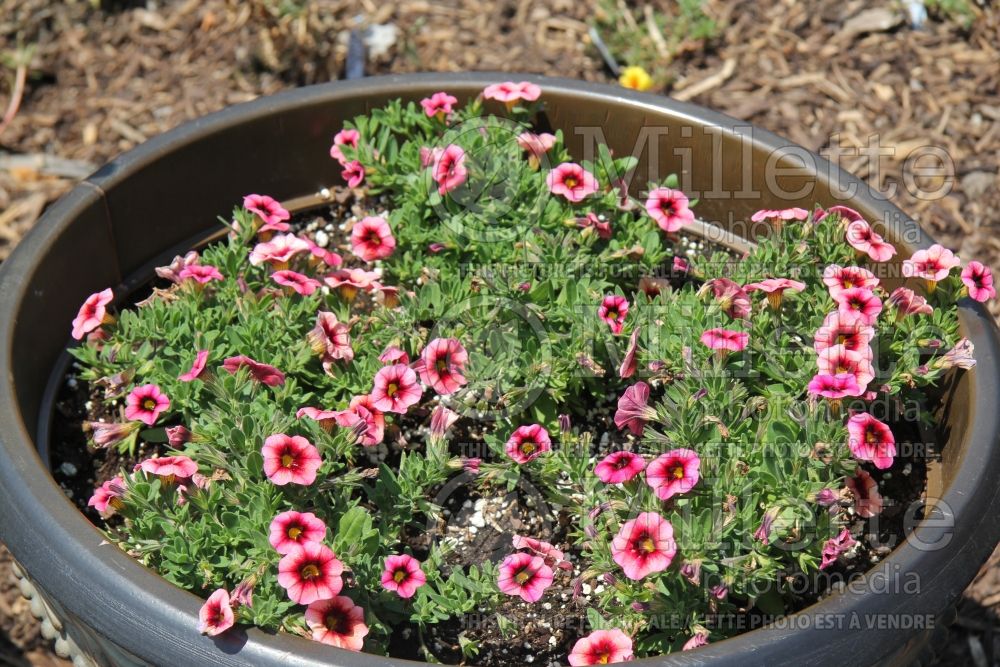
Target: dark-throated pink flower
x,y
346,137
871,440
442,365
216,615
395,389
442,419
552,556
353,173
524,575
272,215
730,296
837,359
835,546
669,209
402,574
633,409
200,273
863,238
145,404
527,443
331,340
933,264
537,145
601,647
775,288
337,622
279,250
263,373
725,340
867,499
449,170
291,529
839,279
676,471
860,301
612,311
302,284
372,239
107,497
197,367
644,545
619,467
979,280
290,459
571,181
93,313
439,105
374,420
845,329
310,572
834,386
169,468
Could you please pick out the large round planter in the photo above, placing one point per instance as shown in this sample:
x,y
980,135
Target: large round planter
x,y
142,208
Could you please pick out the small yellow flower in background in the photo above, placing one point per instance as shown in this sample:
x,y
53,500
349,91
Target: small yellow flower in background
x,y
636,78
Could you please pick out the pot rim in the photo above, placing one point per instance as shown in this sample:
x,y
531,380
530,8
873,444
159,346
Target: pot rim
x,y
64,552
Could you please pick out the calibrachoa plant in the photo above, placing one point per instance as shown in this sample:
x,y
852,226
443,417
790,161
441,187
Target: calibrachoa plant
x,y
313,400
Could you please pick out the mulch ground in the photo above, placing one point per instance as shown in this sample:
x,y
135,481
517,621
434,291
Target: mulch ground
x,y
101,79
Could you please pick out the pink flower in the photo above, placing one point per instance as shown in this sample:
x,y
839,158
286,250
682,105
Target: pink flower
x,y
979,279
263,373
509,92
862,302
349,281
763,532
449,170
782,214
395,389
839,279
344,138
571,181
177,435
871,440
591,222
107,497
725,340
319,254
337,622
93,313
601,647
169,467
438,104
536,144
268,210
524,575
731,297
394,355
834,547
200,273
216,615
644,545
613,310
279,250
442,364
105,434
291,529
629,363
197,368
290,459
960,356
145,404
325,418
838,359
171,271
619,467
527,443
372,239
867,499
934,263
353,173
330,339
908,302
697,639
403,575
552,556
845,329
310,572
669,209
675,472
775,288
863,238
442,419
304,285
834,386
633,411
374,420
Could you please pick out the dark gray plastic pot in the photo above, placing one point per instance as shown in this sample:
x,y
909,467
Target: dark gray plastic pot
x,y
140,209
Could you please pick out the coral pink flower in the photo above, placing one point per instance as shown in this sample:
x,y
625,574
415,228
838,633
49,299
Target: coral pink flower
x,y
509,92
344,138
263,373
552,556
619,467
107,497
629,363
177,435
171,271
290,459
330,339
675,472
697,639
349,281
536,144
403,575
934,263
528,442
291,529
867,499
169,467
731,297
145,404
633,409
871,440
337,622
216,615
835,546
839,279
442,364
310,572
644,545
669,209
200,273
268,210
591,221
197,368
325,418
524,575
845,329
373,418
782,214
438,104
863,238
319,254
613,310
449,170
908,302
725,340
838,359
353,173
93,313
394,355
304,285
395,389
979,279
775,288
442,419
105,434
279,250
834,386
571,181
601,647
372,239
860,301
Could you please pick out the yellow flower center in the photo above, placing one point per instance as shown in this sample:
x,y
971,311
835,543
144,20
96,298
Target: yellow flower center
x,y
399,576
392,389
287,460
310,571
294,532
647,545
